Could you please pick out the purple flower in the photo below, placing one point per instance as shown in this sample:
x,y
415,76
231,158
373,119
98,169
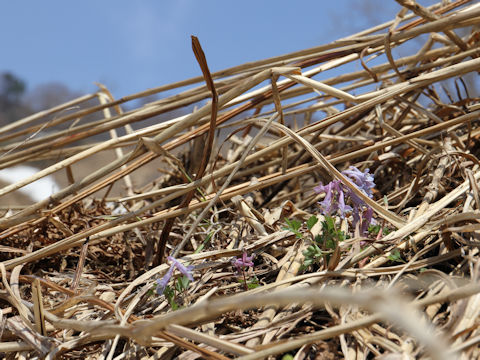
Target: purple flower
x,y
328,189
364,181
336,195
185,270
367,219
334,198
163,282
244,261
341,204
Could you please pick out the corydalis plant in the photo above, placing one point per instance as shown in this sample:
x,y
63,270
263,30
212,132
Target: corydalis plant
x,y
338,195
185,270
241,263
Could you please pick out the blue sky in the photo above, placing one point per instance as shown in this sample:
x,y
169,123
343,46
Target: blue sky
x,y
134,45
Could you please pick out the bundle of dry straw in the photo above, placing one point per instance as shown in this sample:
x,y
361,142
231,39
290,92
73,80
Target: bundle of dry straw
x,y
229,193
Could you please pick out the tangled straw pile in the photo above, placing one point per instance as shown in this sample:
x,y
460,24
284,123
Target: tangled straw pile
x,y
81,269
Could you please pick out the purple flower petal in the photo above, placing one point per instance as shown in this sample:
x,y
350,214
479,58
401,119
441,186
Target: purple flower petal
x,y
367,219
185,270
244,261
363,180
163,282
356,216
337,194
331,190
326,204
356,201
247,260
341,204
319,189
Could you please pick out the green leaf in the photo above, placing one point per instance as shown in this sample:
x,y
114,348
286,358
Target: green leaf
x,y
374,229
253,283
174,305
312,254
311,222
313,251
294,226
307,263
169,292
329,223
395,256
107,217
287,357
182,284
205,243
330,244
170,295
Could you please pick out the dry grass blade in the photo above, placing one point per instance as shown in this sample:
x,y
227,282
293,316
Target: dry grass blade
x,y
38,308
202,61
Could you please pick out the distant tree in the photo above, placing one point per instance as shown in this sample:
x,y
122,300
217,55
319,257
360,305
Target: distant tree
x,y
12,89
48,95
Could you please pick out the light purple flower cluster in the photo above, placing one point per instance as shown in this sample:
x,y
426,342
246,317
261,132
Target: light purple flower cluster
x,y
185,270
244,261
337,193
